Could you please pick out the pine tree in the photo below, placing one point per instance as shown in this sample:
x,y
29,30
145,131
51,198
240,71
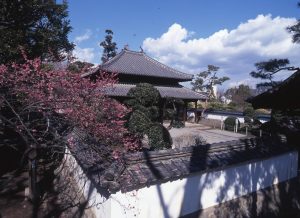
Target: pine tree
x,y
266,70
295,30
206,80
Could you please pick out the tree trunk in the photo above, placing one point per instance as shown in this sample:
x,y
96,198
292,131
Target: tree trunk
x,y
32,167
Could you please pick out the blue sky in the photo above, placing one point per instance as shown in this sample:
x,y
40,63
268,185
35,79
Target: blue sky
x,y
189,35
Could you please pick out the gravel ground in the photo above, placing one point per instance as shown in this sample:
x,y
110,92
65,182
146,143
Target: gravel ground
x,y
187,136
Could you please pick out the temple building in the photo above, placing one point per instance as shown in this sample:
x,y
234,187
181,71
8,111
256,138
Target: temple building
x,y
282,97
284,100
137,67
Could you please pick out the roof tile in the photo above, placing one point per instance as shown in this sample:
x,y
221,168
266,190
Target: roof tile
x,y
139,170
138,63
121,90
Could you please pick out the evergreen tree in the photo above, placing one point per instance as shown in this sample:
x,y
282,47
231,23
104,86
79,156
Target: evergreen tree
x,y
109,47
39,27
206,80
238,95
265,70
295,30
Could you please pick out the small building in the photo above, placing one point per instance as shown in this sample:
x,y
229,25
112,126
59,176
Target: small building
x,y
284,100
137,67
285,96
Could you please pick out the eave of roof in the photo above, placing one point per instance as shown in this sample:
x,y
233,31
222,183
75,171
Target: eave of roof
x,y
121,90
284,96
138,63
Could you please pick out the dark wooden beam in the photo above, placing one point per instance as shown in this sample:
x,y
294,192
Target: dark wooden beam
x,y
195,111
184,111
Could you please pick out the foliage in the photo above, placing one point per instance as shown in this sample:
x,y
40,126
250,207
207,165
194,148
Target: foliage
x,y
216,105
138,123
177,124
144,118
145,94
238,95
249,112
232,106
29,93
295,30
79,66
249,115
230,123
172,112
39,27
109,47
206,80
159,137
265,70
41,105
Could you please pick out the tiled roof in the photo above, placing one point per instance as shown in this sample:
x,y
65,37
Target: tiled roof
x,y
141,169
138,63
285,95
165,91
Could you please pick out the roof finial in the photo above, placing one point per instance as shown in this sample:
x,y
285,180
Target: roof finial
x,y
142,50
126,47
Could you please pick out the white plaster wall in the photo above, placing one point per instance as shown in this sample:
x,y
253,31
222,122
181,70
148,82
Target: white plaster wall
x,y
98,205
181,197
184,196
221,117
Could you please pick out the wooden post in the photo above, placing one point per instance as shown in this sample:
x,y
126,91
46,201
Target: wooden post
x,y
195,111
184,111
32,165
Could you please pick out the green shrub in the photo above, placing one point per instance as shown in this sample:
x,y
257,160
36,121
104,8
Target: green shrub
x,y
159,137
232,106
249,114
230,123
177,124
217,105
145,94
145,113
169,114
138,123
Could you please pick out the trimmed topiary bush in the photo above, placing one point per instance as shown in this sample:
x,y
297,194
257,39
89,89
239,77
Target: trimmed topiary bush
x,y
169,114
138,123
230,123
159,137
142,122
145,94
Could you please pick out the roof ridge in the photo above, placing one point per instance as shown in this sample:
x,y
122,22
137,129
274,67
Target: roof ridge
x,y
113,59
133,52
165,66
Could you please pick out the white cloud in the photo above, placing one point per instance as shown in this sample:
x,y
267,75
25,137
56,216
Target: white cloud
x,y
85,36
84,54
235,51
